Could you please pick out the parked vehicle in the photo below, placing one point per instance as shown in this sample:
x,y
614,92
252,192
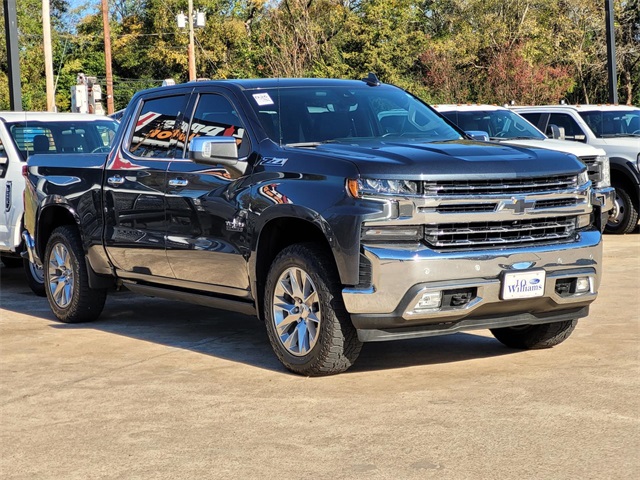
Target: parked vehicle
x,y
339,212
499,124
615,129
25,133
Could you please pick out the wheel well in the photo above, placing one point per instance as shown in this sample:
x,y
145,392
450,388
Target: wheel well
x,y
276,236
50,219
620,179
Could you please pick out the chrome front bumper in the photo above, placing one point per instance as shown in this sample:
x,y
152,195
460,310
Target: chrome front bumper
x,y
401,276
603,198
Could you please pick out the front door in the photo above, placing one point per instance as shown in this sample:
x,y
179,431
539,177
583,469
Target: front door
x,y
206,239
134,188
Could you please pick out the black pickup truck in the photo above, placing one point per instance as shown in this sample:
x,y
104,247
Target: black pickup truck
x,y
338,212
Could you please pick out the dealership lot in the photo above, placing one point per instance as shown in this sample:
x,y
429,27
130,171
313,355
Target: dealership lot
x,y
158,389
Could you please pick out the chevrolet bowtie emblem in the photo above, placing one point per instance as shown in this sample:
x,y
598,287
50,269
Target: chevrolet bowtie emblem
x,y
519,205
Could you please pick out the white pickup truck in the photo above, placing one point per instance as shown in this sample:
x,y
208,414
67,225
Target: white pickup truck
x,y
25,133
501,125
615,129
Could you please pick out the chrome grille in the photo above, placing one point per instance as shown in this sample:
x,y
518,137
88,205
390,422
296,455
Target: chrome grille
x,y
500,187
562,202
500,234
467,207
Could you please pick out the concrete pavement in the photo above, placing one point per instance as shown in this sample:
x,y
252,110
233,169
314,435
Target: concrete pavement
x,y
163,390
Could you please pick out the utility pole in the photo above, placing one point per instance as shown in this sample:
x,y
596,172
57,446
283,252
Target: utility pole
x,y
13,56
611,52
107,55
191,53
48,56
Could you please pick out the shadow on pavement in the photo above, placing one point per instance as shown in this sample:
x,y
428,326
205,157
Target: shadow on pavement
x,y
233,336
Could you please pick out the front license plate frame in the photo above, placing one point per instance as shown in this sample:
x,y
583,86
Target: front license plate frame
x,y
523,284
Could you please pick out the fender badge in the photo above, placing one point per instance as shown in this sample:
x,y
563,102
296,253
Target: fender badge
x,y
235,225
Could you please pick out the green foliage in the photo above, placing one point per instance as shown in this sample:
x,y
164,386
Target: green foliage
x,y
530,51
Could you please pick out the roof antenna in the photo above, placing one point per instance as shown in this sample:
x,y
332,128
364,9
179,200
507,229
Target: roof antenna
x,y
371,80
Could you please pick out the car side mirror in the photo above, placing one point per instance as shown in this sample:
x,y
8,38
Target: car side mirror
x,y
479,135
555,132
217,151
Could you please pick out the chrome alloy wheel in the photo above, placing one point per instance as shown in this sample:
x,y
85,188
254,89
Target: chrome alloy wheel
x,y
296,311
61,279
617,212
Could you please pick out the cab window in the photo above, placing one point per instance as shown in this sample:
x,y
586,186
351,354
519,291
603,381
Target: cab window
x,y
156,133
572,130
3,159
215,116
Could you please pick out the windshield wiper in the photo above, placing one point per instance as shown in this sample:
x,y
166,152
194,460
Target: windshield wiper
x,y
616,135
305,144
514,138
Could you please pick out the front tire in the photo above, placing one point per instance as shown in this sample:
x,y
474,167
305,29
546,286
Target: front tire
x,y
535,337
71,298
35,278
624,216
308,326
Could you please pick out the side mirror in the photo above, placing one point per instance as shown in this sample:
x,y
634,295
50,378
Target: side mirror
x,y
556,132
217,151
479,135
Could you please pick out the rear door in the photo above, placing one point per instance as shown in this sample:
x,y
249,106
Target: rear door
x,y
7,193
206,240
135,184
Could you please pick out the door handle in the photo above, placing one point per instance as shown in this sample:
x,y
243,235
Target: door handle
x,y
178,182
117,180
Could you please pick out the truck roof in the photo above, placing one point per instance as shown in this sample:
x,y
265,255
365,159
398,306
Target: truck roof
x,y
50,117
577,108
467,107
259,83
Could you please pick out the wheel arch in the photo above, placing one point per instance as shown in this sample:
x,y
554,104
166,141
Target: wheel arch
x,y
623,175
53,215
278,232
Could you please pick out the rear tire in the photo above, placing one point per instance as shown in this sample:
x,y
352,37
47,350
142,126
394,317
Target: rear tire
x,y
533,337
35,278
308,326
71,298
624,216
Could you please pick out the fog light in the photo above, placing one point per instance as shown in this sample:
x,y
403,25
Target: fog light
x,y
583,221
429,301
583,285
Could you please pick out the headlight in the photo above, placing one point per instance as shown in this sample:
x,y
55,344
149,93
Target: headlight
x,y
372,186
583,177
605,175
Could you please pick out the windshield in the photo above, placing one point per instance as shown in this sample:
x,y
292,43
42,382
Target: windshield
x,y
314,115
499,124
612,123
73,136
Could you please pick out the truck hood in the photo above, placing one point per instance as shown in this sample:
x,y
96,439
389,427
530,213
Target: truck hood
x,y
630,143
450,160
575,148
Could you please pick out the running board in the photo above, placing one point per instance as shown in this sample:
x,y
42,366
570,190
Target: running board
x,y
181,296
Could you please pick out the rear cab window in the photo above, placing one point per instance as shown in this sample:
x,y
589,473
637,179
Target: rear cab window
x,y
62,137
